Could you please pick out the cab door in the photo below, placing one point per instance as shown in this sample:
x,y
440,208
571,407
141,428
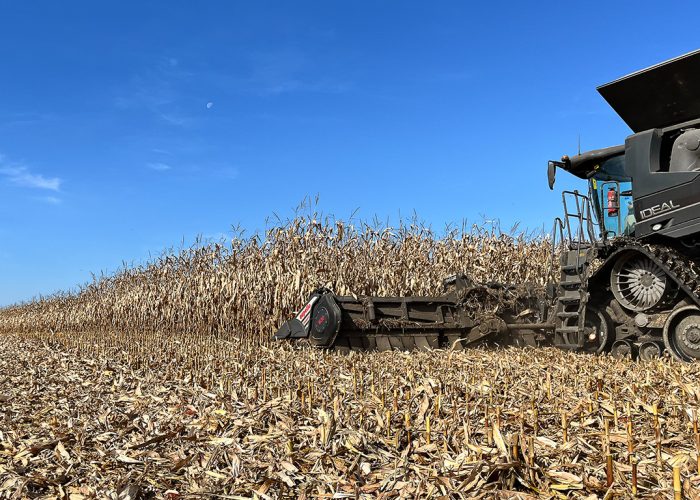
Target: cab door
x,y
615,209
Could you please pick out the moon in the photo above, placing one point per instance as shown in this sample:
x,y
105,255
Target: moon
x,y
210,105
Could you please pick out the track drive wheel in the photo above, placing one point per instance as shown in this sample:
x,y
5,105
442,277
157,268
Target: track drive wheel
x,y
682,333
637,282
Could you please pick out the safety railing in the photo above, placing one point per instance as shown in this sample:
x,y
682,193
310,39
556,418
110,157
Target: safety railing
x,y
558,246
576,231
578,213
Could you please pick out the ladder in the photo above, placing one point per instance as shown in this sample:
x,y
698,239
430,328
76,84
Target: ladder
x,y
573,246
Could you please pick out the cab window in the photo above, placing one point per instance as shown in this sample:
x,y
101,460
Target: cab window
x,y
611,190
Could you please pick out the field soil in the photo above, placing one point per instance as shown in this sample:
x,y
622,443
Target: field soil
x,y
82,416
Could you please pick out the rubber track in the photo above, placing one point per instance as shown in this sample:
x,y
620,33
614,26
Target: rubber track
x,y
681,269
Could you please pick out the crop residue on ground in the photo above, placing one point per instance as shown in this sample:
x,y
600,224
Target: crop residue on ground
x,y
158,415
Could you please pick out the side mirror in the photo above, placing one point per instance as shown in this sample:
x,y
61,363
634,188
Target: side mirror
x,y
551,173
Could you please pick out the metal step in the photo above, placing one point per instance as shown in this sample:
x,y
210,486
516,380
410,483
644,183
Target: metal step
x,y
568,314
571,278
567,329
568,300
570,285
572,268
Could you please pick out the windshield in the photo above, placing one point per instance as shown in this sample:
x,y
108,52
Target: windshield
x,y
611,188
612,169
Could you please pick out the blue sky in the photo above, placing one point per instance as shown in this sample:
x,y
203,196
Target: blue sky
x,y
128,127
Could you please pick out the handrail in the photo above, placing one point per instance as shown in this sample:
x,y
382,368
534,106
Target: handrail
x,y
558,225
585,231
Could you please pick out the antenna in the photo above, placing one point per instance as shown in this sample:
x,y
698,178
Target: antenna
x,y
579,143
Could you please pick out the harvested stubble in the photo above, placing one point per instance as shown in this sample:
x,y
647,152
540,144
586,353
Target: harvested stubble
x,y
159,380
193,418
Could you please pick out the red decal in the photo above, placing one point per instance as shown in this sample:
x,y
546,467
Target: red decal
x,y
304,316
304,312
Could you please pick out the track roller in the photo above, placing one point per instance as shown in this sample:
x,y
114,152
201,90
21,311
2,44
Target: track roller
x,y
623,349
651,350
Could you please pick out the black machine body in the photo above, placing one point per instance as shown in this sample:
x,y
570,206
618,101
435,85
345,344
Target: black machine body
x,y
631,243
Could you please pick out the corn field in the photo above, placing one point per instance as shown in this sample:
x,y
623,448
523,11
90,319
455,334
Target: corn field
x,y
245,289
160,381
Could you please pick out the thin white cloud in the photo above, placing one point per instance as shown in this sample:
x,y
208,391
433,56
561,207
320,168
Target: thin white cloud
x,y
158,91
290,71
22,176
159,166
51,200
174,119
161,151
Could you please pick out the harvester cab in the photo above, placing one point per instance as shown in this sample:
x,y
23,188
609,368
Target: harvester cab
x,y
657,170
609,191
625,267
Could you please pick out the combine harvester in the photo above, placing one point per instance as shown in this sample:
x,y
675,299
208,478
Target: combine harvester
x,y
625,255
